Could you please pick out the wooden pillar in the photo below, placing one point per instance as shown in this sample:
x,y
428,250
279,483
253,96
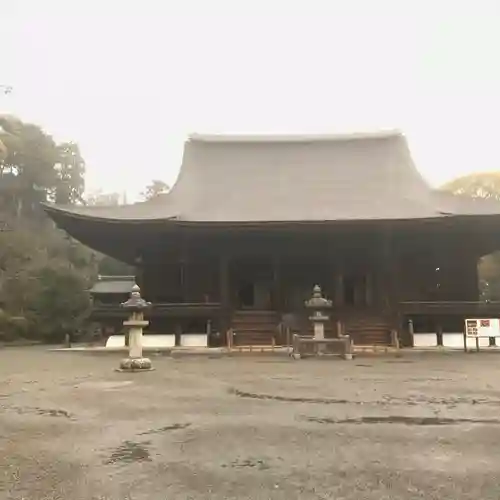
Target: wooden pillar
x,y
277,284
436,270
183,279
139,272
224,293
139,277
411,333
390,275
475,286
339,288
178,333
359,291
368,289
184,266
439,333
338,281
390,268
468,269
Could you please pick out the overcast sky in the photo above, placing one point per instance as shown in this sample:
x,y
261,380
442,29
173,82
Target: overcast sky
x,y
128,80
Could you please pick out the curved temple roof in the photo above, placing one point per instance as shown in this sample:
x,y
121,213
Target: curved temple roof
x,y
239,179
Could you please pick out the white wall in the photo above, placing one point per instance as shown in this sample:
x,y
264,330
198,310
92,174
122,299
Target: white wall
x,y
194,340
147,341
451,340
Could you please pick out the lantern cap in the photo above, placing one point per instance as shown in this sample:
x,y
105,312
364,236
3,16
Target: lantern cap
x,y
317,301
135,301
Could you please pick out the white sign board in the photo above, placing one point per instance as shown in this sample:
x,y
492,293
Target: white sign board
x,y
482,327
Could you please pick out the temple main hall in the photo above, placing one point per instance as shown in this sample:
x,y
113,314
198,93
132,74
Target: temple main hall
x,y
253,223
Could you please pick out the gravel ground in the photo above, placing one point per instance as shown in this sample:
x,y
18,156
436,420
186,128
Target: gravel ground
x,y
420,426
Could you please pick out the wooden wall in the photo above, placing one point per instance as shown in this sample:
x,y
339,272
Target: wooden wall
x,y
373,267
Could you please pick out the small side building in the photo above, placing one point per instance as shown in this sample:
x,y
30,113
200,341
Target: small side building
x,y
107,294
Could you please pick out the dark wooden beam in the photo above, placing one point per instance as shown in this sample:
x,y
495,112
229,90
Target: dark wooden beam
x,y
224,293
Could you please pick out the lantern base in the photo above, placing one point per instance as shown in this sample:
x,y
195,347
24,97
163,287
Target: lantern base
x,y
135,365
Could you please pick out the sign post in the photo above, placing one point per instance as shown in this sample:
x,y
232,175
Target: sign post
x,y
481,328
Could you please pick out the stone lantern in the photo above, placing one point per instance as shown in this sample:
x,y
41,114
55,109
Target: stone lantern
x,y
135,323
318,306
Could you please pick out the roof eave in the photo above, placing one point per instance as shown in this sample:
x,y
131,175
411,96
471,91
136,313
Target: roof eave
x,y
54,210
61,215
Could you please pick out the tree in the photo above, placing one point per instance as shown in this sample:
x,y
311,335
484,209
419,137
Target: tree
x,y
30,162
3,152
155,189
9,130
44,274
70,171
482,185
61,303
101,199
38,268
487,186
33,168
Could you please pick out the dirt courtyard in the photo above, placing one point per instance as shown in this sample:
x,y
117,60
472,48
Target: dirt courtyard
x,y
420,426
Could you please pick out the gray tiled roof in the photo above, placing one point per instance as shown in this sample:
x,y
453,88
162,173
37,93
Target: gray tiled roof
x,y
113,284
293,178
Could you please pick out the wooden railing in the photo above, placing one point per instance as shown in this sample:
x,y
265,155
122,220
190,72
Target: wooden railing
x,y
187,309
201,309
471,308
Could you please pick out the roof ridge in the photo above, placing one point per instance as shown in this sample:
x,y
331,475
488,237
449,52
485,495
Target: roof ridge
x,y
377,134
108,277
